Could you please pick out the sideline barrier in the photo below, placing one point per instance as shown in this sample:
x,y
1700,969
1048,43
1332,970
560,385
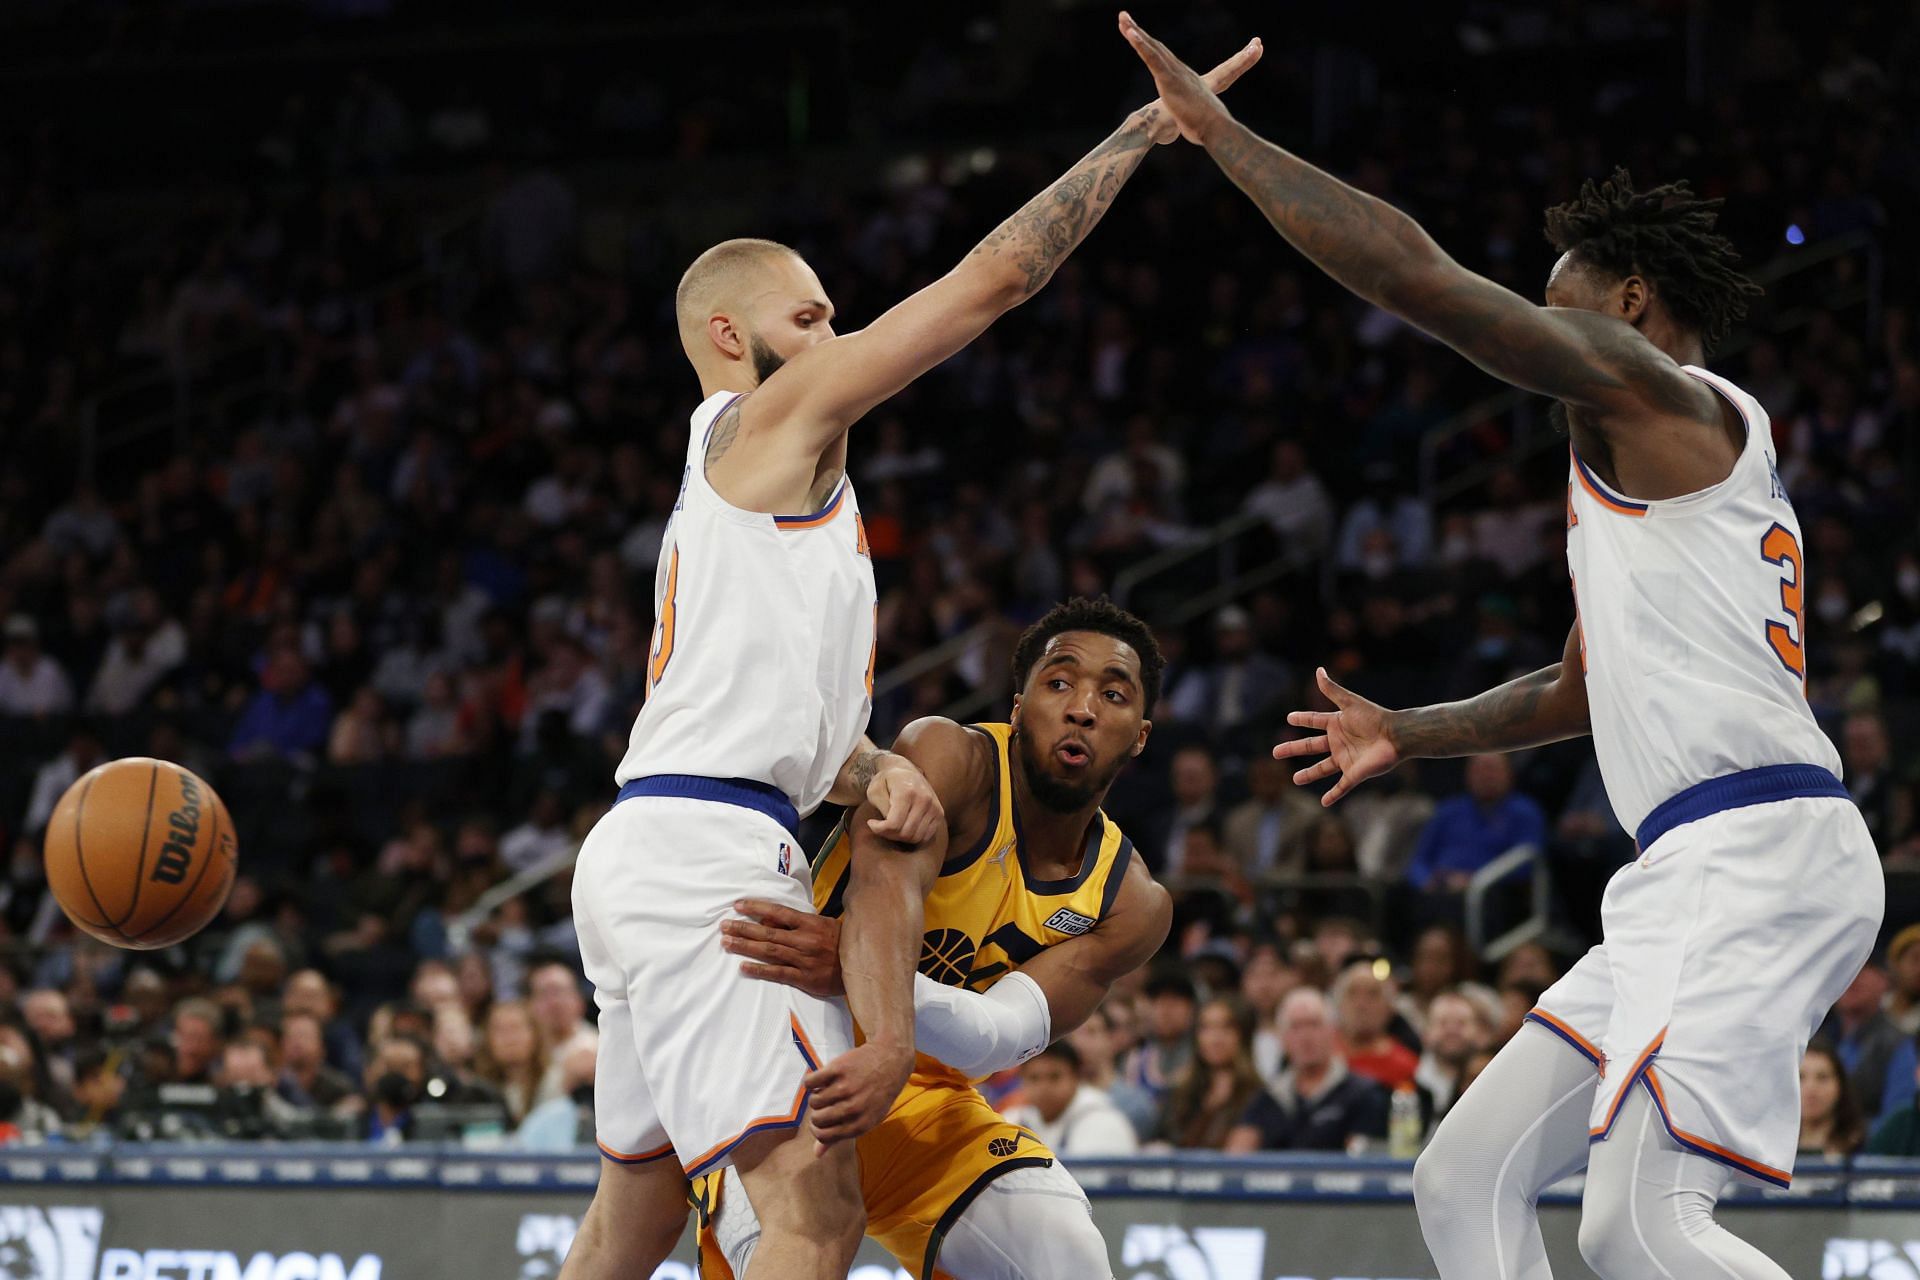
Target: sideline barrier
x,y
353,1213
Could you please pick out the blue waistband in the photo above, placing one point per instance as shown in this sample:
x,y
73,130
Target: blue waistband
x,y
743,792
1736,791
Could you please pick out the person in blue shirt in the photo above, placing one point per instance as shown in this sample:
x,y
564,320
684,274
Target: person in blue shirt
x,y
291,714
1469,831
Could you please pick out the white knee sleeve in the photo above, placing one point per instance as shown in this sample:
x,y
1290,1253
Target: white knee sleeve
x,y
1027,1224
736,1227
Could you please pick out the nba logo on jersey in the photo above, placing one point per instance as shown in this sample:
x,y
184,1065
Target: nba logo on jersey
x,y
786,858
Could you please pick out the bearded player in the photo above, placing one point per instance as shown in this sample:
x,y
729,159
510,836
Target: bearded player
x,y
1035,905
1666,1060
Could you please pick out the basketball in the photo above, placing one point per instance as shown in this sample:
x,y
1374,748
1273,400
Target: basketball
x,y
140,853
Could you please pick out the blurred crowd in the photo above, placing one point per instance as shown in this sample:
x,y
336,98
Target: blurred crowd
x,y
392,596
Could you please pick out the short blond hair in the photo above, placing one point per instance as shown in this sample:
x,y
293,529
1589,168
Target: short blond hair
x,y
716,275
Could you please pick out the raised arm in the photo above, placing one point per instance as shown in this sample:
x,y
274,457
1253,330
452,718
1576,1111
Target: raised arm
x,y
1362,739
1598,362
819,393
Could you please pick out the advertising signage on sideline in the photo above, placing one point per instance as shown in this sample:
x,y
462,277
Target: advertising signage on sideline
x,y
215,1216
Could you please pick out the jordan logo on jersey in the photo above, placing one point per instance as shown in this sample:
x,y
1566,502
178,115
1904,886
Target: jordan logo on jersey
x,y
1065,921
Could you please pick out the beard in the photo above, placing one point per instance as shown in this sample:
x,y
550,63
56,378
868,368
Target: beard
x,y
766,362
1057,794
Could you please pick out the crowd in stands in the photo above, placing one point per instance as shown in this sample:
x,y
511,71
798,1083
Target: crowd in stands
x,y
397,606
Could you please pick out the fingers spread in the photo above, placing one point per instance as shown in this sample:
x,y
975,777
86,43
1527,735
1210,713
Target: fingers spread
x,y
1309,719
1325,769
1335,694
1300,747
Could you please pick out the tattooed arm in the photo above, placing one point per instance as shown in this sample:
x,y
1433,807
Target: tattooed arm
x,y
1596,361
820,392
1362,740
907,808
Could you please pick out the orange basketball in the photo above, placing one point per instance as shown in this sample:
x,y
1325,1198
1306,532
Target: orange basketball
x,y
140,853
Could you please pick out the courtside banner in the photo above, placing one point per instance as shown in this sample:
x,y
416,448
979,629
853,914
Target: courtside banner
x,y
256,1213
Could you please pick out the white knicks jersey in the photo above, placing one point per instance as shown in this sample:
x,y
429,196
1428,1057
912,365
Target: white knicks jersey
x,y
762,660
1690,626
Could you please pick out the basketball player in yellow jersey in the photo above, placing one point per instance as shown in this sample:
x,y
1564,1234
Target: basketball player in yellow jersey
x,y
1035,905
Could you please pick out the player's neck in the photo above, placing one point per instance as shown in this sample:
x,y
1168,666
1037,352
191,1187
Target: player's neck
x,y
1051,841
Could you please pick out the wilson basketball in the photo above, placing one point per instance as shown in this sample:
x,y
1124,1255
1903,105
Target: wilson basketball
x,y
140,853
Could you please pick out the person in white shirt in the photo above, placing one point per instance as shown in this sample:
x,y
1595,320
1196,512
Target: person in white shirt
x,y
31,683
1294,503
1074,1118
146,647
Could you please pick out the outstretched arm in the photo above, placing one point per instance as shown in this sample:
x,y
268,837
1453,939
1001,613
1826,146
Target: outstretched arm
x,y
1362,739
822,391
1597,362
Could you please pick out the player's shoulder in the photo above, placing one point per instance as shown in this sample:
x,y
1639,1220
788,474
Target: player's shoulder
x,y
964,759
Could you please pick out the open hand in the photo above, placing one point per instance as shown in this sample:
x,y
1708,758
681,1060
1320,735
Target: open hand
x,y
854,1092
1354,739
1192,100
778,944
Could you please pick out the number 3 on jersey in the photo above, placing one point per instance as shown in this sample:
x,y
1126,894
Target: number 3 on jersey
x,y
1779,547
663,629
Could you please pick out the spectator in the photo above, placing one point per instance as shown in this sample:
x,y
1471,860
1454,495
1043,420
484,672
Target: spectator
x,y
1317,1105
49,1016
1268,978
196,1040
309,992
1830,1121
1195,781
1453,1034
83,752
559,1011
247,1083
1386,530
1902,1005
1072,1117
1242,685
1097,1043
98,1087
1863,1038
564,1122
32,685
1163,1053
542,838
25,1119
395,1084
1259,828
305,1078
512,1059
1442,960
1219,1081
1363,1008
289,717
1470,831
1883,801
1294,504
146,647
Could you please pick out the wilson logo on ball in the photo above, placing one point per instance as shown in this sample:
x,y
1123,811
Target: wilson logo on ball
x,y
176,855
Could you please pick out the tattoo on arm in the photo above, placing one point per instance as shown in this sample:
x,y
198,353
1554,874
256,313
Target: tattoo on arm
x,y
1515,715
864,768
1053,223
725,428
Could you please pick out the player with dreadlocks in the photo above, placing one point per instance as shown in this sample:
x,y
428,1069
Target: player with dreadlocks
x,y
1666,1060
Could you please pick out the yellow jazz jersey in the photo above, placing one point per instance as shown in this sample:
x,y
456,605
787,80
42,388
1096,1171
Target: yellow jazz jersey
x,y
942,1142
